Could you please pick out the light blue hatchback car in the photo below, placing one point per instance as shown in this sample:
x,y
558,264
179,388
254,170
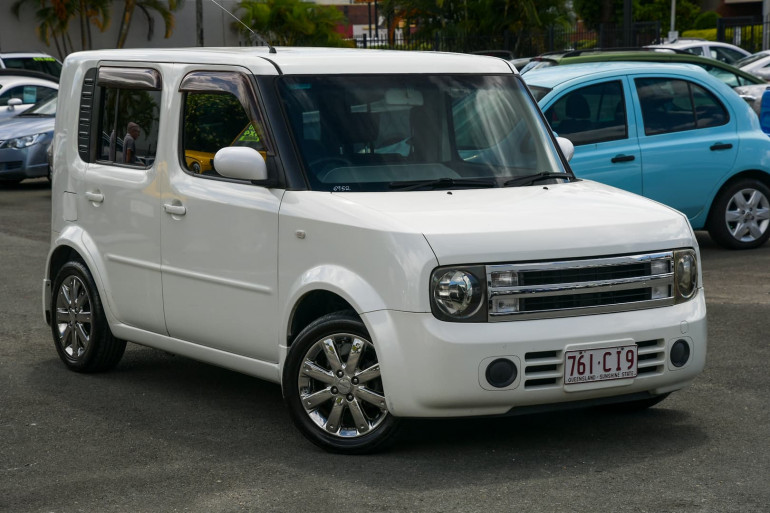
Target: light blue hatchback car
x,y
670,132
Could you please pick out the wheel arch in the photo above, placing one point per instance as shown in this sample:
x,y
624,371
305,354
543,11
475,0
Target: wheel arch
x,y
73,244
311,306
749,174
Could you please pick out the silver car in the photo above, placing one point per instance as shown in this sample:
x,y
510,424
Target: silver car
x,y
24,142
757,64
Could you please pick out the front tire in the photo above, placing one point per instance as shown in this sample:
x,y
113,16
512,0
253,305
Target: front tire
x,y
740,217
79,327
333,389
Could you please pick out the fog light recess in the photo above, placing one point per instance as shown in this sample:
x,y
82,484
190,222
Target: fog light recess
x,y
680,353
501,373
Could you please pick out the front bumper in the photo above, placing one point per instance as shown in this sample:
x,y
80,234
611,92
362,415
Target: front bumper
x,y
29,162
432,368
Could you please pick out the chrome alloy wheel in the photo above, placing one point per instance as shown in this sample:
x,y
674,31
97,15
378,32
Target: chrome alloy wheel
x,y
748,215
340,386
73,317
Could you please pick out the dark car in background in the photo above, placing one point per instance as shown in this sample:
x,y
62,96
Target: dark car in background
x,y
31,61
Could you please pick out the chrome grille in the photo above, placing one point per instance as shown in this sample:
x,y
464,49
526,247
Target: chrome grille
x,y
579,287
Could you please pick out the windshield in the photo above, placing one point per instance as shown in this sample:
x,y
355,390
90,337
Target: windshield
x,y
750,58
384,132
47,65
44,108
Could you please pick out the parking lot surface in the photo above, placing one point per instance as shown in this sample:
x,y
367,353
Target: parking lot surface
x,y
164,433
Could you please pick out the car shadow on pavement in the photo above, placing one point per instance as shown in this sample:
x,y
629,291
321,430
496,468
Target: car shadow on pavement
x,y
162,403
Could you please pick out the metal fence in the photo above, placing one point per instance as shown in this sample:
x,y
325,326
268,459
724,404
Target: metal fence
x,y
750,33
524,43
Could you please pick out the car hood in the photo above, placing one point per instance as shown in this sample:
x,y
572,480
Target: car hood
x,y
20,126
571,220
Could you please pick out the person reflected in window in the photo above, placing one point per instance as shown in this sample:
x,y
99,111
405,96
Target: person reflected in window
x,y
129,143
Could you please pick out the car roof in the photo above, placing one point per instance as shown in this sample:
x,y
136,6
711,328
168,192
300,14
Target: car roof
x,y
312,61
10,80
685,58
4,55
553,76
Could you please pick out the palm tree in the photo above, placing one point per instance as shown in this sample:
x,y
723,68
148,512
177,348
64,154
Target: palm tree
x,y
292,22
164,8
54,16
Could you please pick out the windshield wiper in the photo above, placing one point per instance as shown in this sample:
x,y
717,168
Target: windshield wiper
x,y
530,179
441,183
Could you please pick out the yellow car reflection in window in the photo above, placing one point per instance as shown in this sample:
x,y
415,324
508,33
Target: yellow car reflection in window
x,y
202,162
198,162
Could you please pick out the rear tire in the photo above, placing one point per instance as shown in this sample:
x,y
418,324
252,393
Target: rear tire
x,y
740,216
79,327
332,387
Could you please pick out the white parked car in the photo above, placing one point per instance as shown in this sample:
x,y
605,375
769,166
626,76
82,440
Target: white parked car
x,y
724,52
757,64
20,90
385,234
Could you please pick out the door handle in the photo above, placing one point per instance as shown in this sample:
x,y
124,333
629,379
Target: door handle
x,y
622,158
720,146
175,210
95,197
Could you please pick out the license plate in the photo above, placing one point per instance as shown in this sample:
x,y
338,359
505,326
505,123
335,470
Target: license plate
x,y
605,364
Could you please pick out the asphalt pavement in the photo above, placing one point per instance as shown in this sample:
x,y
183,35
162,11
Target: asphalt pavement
x,y
166,434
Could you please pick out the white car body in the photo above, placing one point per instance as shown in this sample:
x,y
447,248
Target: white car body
x,y
757,64
724,52
172,277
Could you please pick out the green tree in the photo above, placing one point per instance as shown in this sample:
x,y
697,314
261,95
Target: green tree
x,y
163,8
594,13
291,22
468,19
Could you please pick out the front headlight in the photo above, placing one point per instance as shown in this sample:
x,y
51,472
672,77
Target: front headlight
x,y
458,293
685,275
22,142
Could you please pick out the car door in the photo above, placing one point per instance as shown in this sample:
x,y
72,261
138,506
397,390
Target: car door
x,y
119,206
600,122
218,235
688,140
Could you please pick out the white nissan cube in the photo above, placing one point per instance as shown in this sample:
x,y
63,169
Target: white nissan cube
x,y
385,234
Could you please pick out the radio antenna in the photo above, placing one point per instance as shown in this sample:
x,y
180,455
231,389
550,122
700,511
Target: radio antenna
x,y
258,36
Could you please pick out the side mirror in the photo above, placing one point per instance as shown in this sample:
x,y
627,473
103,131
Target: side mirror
x,y
567,148
13,103
241,163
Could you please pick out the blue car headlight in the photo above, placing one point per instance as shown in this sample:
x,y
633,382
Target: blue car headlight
x,y
22,142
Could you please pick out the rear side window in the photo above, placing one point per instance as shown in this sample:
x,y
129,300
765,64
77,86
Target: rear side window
x,y
28,94
590,115
670,105
127,113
